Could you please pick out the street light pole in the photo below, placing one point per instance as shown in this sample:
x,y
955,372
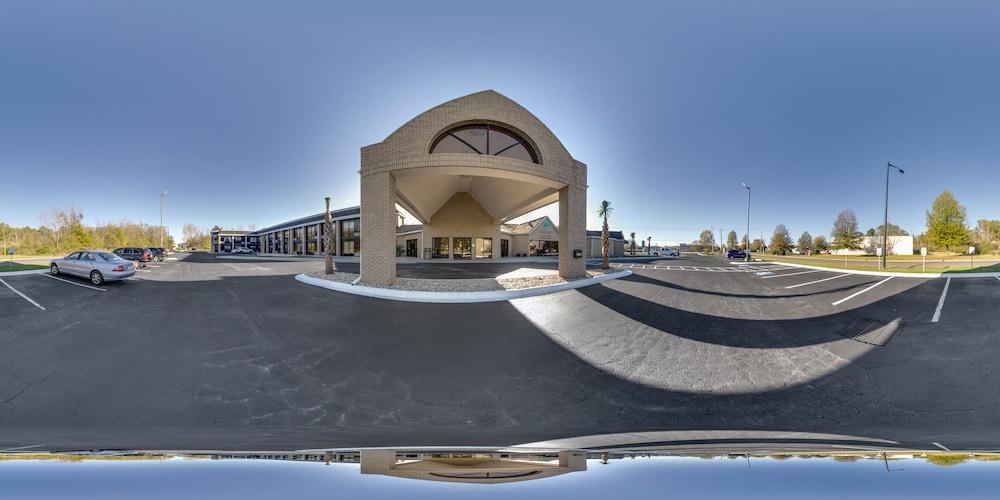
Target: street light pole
x,y
885,214
162,195
747,257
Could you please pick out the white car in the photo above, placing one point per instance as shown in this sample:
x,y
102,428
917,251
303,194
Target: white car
x,y
243,250
670,252
96,265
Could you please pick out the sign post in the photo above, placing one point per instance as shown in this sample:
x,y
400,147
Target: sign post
x,y
972,251
923,259
10,252
878,253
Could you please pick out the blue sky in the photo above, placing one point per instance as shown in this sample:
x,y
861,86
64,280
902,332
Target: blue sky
x,y
252,112
640,478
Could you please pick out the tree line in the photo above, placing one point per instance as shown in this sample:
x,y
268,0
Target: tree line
x,y
63,231
946,230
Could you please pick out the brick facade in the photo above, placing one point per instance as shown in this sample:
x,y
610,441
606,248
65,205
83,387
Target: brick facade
x,y
408,148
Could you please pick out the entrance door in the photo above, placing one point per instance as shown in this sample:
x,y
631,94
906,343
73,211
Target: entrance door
x,y
484,248
463,248
504,248
411,248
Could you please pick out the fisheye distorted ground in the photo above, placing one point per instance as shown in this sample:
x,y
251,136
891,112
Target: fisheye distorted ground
x,y
207,352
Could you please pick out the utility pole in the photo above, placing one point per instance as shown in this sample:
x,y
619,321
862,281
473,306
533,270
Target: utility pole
x,y
162,195
885,213
747,257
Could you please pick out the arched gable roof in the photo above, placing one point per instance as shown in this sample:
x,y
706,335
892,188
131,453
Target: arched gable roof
x,y
416,136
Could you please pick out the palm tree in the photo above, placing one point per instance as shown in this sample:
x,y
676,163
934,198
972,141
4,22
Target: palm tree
x,y
632,235
604,210
330,241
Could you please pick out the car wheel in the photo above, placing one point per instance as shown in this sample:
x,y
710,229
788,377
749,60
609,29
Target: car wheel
x,y
96,278
54,269
137,264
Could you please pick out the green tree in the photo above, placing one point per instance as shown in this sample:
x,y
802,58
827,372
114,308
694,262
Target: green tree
x,y
604,211
894,230
632,235
946,222
731,240
988,233
819,243
781,241
707,240
805,243
845,232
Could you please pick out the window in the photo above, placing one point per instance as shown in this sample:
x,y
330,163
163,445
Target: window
x,y
484,140
350,236
484,248
439,248
463,248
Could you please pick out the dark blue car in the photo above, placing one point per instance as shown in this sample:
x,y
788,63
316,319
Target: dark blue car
x,y
736,254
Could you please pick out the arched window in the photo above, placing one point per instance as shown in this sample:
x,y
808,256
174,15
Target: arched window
x,y
484,139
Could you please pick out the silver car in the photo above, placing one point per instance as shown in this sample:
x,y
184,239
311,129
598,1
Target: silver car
x,y
96,265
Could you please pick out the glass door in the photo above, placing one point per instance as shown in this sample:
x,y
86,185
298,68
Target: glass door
x,y
463,248
484,248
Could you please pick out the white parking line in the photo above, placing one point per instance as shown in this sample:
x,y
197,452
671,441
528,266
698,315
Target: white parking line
x,y
855,294
791,274
150,265
817,281
23,296
937,311
74,283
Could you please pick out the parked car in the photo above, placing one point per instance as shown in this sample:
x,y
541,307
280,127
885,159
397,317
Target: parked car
x,y
736,254
95,265
670,252
243,250
159,253
137,255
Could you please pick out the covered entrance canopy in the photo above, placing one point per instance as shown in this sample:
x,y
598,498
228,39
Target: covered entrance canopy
x,y
463,168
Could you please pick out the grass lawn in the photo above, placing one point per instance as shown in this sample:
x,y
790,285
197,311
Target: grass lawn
x,y
16,266
912,264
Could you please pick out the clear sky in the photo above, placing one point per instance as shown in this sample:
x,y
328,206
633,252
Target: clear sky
x,y
252,112
640,478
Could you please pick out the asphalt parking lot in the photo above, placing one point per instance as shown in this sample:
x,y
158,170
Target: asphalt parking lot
x,y
223,353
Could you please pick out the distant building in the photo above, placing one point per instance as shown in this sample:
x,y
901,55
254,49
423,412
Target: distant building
x,y
225,240
616,247
898,245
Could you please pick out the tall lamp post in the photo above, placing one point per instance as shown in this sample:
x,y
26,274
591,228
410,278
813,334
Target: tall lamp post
x,y
162,195
747,257
885,213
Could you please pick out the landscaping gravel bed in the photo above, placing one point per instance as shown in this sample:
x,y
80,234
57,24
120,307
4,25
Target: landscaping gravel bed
x,y
463,285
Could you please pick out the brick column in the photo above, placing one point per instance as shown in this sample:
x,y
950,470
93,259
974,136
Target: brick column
x,y
572,231
378,225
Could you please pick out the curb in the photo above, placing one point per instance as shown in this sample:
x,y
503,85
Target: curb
x,y
890,273
455,297
22,273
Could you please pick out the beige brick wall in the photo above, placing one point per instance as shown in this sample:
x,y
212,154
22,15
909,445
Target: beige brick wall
x,y
573,232
462,216
378,229
408,148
